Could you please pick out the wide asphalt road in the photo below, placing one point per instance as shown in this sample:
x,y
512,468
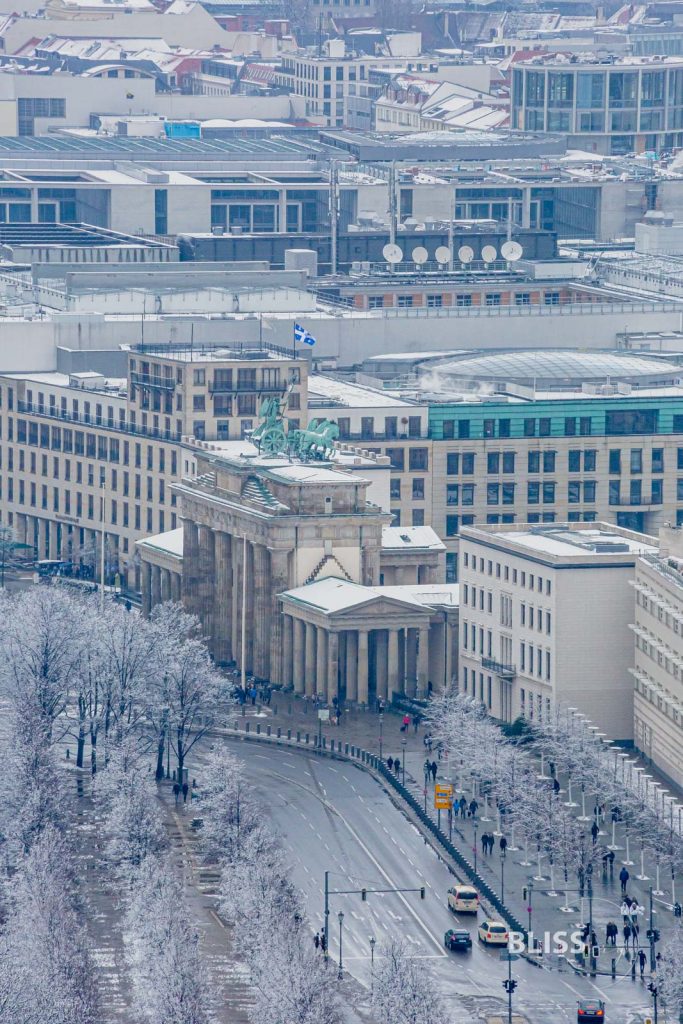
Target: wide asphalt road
x,y
334,816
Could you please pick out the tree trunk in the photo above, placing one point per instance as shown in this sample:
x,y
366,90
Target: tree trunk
x,y
160,756
80,745
93,752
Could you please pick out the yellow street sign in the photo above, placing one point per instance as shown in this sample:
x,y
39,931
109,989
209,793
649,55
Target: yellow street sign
x,y
443,796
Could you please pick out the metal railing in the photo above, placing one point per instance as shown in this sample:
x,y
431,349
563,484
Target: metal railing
x,y
499,667
96,422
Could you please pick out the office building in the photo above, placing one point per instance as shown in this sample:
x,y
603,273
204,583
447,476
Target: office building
x,y
658,670
544,621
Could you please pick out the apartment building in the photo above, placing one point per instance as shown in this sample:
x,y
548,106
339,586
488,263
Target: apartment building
x,y
544,620
658,669
81,452
624,105
211,393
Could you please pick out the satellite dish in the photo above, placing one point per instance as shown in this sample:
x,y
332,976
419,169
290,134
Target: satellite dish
x,y
511,251
420,254
392,253
465,253
489,253
443,254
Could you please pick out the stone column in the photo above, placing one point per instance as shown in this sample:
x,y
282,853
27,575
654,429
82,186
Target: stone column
x,y
437,657
352,665
299,655
278,583
310,659
176,586
332,665
260,625
236,558
53,529
381,658
394,684
341,637
423,661
222,598
207,565
165,585
190,566
42,538
362,666
287,649
22,528
249,611
402,634
156,586
411,662
321,662
145,587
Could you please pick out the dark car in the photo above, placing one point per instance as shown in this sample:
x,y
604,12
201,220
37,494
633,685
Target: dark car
x,y
457,939
590,1010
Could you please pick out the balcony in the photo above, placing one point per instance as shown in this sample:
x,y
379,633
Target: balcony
x,y
502,670
249,387
96,422
145,380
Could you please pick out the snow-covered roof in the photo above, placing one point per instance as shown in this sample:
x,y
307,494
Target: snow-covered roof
x,y
429,595
562,541
170,542
410,538
332,595
346,393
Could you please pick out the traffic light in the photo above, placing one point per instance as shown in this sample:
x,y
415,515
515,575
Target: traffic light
x,y
655,935
524,894
509,985
422,892
364,895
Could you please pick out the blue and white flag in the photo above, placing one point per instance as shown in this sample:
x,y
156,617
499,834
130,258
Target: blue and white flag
x,y
302,335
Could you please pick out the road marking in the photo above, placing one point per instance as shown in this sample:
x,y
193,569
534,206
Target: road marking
x,y
216,918
335,770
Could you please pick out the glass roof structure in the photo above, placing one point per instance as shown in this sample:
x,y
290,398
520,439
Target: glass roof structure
x,y
559,368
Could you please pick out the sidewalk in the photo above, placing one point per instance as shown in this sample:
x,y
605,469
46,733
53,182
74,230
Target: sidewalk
x,y
551,909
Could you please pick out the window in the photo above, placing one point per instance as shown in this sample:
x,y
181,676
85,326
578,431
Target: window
x,y
657,492
404,301
508,462
589,460
493,462
397,457
492,494
463,300
529,428
493,299
534,462
615,492
418,489
367,427
533,492
585,426
448,429
523,299
199,403
544,426
636,460
549,462
548,494
570,426
574,460
508,494
463,428
199,378
418,458
574,492
395,489
160,211
632,421
589,490
434,301
418,517
615,460
453,463
636,491
468,463
657,460
452,494
489,428
467,494
451,526
504,428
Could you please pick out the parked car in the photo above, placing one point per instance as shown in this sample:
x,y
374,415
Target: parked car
x,y
463,899
458,940
590,1010
493,933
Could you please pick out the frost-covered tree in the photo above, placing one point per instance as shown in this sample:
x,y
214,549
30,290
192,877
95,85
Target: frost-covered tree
x,y
230,817
33,799
48,975
133,820
169,982
670,974
402,992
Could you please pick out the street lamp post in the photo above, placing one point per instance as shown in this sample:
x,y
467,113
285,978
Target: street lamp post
x,y
403,745
653,991
502,877
474,847
373,940
381,722
340,973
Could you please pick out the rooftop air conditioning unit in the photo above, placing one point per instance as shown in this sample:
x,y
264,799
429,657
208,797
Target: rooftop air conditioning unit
x,y
217,229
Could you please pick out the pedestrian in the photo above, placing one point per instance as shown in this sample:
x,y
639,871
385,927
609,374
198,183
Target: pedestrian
x,y
556,786
473,808
610,934
176,792
390,763
623,878
595,830
430,743
253,694
316,941
405,723
635,929
627,934
462,804
642,960
416,722
616,813
503,845
484,842
551,765
610,859
323,942
186,790
425,741
625,910
397,766
434,769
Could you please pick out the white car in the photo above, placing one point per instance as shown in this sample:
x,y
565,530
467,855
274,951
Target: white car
x,y
493,933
